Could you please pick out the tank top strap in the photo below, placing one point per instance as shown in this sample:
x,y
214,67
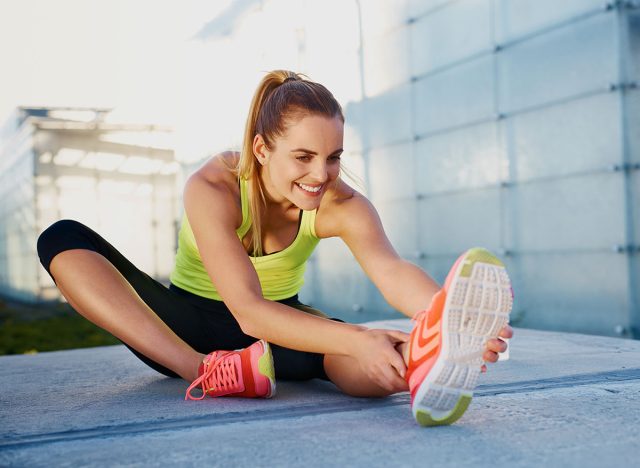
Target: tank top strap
x,y
309,223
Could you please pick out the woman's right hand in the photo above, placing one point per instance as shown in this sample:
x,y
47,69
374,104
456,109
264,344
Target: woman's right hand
x,y
375,350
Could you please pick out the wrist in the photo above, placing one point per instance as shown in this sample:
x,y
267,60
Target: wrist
x,y
355,339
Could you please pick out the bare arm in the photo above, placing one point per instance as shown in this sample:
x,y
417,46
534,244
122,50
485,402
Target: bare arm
x,y
404,286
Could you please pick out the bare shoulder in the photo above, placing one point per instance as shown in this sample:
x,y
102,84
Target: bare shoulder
x,y
218,169
340,207
215,182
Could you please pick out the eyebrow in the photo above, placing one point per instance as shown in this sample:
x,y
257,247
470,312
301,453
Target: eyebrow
x,y
304,150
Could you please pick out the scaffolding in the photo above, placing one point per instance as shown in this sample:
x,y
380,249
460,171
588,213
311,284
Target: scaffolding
x,y
121,180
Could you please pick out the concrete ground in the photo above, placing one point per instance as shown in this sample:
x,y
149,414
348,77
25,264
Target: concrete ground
x,y
560,400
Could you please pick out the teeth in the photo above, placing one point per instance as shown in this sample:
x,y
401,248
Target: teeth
x,y
310,189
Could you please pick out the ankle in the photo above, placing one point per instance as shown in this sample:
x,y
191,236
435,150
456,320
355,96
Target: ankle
x,y
193,368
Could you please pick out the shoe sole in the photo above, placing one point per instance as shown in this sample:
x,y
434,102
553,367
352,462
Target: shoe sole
x,y
477,306
267,369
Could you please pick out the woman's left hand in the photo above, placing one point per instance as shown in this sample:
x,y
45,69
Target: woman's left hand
x,y
495,346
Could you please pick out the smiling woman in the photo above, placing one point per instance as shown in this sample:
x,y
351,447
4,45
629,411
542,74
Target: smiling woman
x,y
252,219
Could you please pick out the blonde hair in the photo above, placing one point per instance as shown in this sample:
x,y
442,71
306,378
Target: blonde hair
x,y
281,97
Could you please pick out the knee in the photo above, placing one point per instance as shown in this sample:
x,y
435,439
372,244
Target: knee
x,y
55,232
57,235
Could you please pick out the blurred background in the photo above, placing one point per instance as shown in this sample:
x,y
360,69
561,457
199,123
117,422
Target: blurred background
x,y
510,124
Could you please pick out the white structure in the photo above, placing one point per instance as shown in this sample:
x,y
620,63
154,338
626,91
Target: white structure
x,y
120,180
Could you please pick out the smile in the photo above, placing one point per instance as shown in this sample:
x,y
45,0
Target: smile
x,y
308,188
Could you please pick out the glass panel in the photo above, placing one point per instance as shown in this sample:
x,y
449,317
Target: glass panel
x,y
391,172
577,58
420,7
632,56
584,293
308,293
388,118
400,224
470,157
635,310
577,136
379,16
438,266
455,222
386,61
517,17
450,34
341,285
632,102
456,96
634,180
571,213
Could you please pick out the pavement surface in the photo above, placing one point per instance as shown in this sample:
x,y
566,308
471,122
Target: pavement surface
x,y
560,400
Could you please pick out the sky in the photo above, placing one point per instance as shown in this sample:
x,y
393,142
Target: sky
x,y
170,62
122,54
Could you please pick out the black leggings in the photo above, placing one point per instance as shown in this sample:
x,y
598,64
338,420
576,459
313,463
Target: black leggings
x,y
205,324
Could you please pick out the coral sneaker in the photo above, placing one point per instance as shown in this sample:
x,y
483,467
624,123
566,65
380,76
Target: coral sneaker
x,y
448,340
246,373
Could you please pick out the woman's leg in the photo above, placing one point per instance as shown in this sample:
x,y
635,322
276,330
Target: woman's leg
x,y
343,371
97,282
99,292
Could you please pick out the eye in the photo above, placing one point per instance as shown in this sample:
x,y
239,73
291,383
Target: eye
x,y
304,157
335,158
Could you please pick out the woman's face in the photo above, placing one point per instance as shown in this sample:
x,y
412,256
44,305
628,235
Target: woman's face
x,y
303,162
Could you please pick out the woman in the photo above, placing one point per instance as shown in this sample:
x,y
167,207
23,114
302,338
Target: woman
x,y
236,279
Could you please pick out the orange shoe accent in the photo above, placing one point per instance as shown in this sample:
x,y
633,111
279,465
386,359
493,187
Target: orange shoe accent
x,y
425,342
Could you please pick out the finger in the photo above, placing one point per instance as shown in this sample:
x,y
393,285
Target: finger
x,y
490,356
496,345
399,336
506,332
397,363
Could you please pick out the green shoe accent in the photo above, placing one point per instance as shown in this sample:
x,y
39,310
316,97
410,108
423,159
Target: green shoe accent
x,y
425,419
265,364
478,254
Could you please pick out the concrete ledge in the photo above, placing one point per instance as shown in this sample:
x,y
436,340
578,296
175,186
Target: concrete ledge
x,y
561,400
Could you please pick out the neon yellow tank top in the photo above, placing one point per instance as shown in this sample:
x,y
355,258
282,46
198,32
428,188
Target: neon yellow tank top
x,y
281,273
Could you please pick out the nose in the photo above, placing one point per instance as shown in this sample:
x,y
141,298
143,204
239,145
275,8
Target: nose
x,y
319,172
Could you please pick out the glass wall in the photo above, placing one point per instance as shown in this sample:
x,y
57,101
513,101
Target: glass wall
x,y
513,125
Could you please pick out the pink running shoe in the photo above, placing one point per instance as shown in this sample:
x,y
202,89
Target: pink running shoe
x,y
245,373
448,340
